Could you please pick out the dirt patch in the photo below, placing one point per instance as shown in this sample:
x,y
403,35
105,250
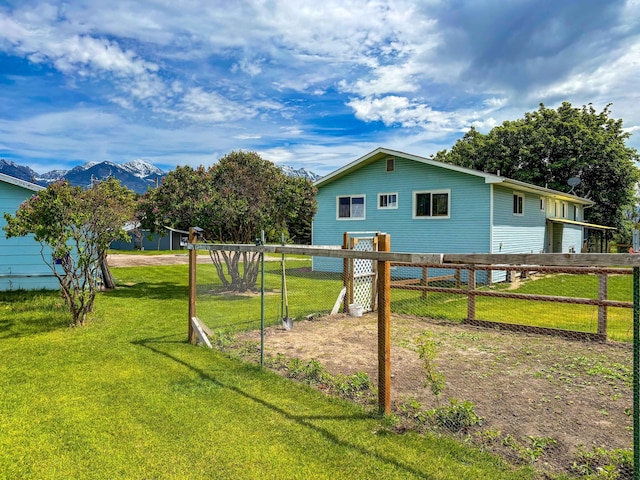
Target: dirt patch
x,y
125,260
528,388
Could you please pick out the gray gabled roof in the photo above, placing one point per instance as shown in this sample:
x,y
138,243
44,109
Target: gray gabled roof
x,y
20,183
380,153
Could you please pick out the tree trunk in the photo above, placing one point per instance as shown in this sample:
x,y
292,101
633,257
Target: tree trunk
x,y
107,279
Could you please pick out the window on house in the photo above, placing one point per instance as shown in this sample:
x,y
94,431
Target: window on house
x,y
576,213
351,207
518,204
556,207
387,200
431,204
542,204
565,210
391,164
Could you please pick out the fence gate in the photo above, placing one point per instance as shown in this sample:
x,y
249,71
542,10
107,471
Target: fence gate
x,y
360,275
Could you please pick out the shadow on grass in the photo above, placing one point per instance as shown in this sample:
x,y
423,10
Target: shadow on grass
x,y
30,312
154,290
303,420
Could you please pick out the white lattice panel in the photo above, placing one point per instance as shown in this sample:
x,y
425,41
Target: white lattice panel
x,y
362,292
363,276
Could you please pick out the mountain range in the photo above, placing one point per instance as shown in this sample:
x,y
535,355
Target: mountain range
x,y
137,175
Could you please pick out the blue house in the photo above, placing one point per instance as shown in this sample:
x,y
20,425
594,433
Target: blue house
x,y
21,263
434,207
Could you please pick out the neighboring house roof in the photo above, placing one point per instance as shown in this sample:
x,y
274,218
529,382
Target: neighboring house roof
x,y
380,153
20,183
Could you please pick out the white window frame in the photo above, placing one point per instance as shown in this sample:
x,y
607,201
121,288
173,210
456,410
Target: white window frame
x,y
520,196
351,197
414,207
542,204
565,210
388,206
576,213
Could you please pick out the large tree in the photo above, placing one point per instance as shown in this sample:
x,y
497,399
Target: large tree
x,y
233,201
78,226
547,147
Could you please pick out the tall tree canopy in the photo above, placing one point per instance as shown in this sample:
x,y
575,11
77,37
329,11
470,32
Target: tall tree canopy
x,y
233,201
547,147
78,226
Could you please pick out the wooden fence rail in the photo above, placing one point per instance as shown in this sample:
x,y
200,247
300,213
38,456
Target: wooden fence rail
x,y
472,291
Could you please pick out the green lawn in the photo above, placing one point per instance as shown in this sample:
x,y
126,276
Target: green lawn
x,y
126,397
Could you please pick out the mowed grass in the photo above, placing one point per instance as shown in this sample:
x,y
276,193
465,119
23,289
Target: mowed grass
x,y
127,397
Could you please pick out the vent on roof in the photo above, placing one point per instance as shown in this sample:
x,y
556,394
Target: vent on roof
x,y
391,164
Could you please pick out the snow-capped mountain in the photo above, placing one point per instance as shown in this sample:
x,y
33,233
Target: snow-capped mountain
x,y
141,168
18,171
300,172
137,175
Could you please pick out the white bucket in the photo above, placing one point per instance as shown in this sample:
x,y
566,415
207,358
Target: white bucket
x,y
355,310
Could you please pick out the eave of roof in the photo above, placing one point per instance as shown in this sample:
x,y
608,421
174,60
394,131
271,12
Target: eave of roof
x,y
594,226
381,152
20,183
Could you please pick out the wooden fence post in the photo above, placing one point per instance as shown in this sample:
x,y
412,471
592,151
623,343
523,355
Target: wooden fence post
x,y
193,257
384,327
471,283
424,281
346,274
602,309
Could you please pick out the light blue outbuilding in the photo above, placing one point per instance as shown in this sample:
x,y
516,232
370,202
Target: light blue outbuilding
x,y
21,262
434,207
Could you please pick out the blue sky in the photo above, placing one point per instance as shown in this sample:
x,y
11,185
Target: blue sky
x,y
304,83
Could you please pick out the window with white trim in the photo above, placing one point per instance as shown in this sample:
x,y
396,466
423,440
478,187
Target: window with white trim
x,y
350,207
387,201
576,213
431,204
565,210
518,204
542,209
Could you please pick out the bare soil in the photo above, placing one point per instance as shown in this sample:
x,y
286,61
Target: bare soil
x,y
526,387
124,260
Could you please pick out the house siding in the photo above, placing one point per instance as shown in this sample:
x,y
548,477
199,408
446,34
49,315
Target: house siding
x,y
21,263
517,233
466,230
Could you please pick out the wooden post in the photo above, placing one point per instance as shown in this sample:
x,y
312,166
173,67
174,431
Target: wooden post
x,y
602,309
193,256
457,277
424,281
471,305
384,328
345,273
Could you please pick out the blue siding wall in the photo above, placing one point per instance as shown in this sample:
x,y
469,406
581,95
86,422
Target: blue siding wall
x,y
21,264
467,230
517,233
572,239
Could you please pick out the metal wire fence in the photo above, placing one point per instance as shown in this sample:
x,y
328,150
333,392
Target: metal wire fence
x,y
532,362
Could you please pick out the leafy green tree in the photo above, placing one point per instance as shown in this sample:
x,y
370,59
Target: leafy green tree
x,y
78,226
232,201
547,147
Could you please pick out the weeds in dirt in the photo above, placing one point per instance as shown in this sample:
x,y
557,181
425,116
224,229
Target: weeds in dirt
x,y
456,417
599,463
427,351
530,451
358,386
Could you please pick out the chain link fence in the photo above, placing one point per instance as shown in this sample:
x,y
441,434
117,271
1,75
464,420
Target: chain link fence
x,y
531,362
